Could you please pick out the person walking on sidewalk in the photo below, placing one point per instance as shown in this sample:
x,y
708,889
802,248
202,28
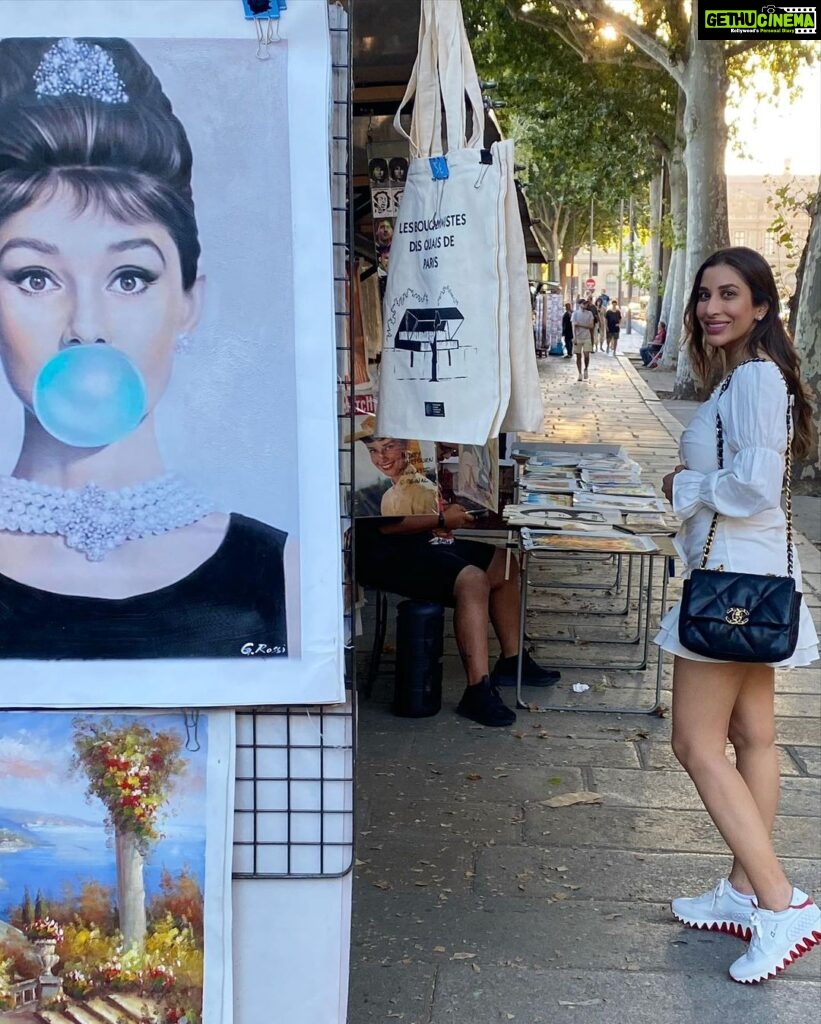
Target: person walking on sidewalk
x,y
613,318
583,321
733,312
567,329
598,310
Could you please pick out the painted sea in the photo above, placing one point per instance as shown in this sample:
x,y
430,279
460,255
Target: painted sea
x,y
50,857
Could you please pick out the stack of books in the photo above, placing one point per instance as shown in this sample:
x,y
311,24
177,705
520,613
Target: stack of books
x,y
580,492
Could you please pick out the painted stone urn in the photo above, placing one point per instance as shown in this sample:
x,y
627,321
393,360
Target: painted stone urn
x,y
46,951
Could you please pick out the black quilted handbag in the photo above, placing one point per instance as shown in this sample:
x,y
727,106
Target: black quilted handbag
x,y
739,616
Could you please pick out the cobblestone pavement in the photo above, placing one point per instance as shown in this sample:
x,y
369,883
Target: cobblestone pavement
x,y
475,902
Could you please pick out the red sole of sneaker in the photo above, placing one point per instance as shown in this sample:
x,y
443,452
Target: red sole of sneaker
x,y
801,947
726,928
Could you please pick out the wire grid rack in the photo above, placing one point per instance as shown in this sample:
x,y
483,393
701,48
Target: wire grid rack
x,y
293,809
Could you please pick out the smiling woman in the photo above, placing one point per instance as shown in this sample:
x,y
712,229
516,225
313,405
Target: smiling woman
x,y
410,493
103,553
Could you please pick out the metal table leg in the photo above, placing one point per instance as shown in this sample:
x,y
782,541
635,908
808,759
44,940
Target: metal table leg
x,y
646,614
524,569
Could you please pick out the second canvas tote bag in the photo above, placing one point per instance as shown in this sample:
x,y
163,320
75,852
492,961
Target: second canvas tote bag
x,y
446,359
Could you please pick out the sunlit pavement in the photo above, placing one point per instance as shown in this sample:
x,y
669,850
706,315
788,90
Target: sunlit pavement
x,y
476,903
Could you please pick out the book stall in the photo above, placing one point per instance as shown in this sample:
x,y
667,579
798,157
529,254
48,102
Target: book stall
x,y
176,733
583,511
310,256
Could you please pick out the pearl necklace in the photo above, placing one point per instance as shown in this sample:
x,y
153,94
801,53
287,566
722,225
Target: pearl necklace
x,y
95,521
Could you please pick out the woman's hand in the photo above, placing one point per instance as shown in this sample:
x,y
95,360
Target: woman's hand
x,y
456,518
667,483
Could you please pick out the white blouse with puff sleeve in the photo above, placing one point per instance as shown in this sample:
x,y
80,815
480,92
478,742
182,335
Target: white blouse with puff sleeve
x,y
751,532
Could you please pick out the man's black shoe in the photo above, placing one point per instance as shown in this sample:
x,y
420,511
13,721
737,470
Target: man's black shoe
x,y
482,703
504,673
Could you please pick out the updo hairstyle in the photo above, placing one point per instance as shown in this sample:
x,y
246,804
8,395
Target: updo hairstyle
x,y
131,158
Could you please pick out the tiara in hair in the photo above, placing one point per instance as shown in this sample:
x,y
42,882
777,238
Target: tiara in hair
x,y
74,68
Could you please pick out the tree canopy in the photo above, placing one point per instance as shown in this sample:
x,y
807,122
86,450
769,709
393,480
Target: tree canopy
x,y
583,130
634,39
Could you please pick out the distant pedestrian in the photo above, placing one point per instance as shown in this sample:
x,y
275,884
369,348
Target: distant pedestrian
x,y
613,318
732,325
583,324
567,329
601,326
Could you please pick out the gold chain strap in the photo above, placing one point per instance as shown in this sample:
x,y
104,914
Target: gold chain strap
x,y
787,472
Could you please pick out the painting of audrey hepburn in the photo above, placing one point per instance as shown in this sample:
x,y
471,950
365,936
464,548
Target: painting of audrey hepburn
x,y
149,498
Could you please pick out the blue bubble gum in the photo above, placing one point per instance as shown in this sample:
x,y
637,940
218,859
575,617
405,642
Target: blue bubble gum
x,y
88,396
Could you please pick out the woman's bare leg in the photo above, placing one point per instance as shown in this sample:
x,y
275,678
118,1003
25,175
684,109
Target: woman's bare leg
x,y
704,697
752,734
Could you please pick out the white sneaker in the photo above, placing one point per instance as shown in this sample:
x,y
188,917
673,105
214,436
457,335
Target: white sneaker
x,y
723,909
585,375
778,939
580,376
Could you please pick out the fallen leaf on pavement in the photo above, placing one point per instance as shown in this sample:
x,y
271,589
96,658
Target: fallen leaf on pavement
x,y
568,799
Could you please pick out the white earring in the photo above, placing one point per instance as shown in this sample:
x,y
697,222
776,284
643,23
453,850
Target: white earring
x,y
182,345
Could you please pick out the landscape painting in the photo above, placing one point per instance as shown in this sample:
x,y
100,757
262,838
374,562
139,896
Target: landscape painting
x,y
105,883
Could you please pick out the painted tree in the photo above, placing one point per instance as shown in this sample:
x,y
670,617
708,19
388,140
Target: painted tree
x,y
665,32
27,914
130,769
40,907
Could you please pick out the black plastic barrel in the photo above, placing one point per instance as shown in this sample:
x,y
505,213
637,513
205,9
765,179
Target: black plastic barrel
x,y
418,682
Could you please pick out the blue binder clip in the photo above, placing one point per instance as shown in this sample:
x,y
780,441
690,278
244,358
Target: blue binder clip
x,y
439,168
267,12
263,8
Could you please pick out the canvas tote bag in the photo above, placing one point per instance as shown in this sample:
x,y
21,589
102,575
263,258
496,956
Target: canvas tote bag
x,y
446,369
525,411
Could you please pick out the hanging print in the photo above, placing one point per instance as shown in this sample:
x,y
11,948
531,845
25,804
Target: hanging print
x,y
114,867
152,506
387,172
394,476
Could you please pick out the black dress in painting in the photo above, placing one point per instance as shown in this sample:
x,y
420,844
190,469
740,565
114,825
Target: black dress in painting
x,y
233,605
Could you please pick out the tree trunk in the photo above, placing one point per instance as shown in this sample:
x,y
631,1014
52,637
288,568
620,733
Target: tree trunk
x,y
130,889
795,298
675,294
653,306
808,342
705,130
666,251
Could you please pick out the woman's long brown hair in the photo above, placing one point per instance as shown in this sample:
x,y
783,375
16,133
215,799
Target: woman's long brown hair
x,y
768,337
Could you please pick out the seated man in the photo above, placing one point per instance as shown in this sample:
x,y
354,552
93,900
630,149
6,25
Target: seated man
x,y
649,351
403,556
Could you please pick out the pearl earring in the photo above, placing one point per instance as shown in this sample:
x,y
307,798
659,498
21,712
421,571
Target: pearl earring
x,y
183,343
